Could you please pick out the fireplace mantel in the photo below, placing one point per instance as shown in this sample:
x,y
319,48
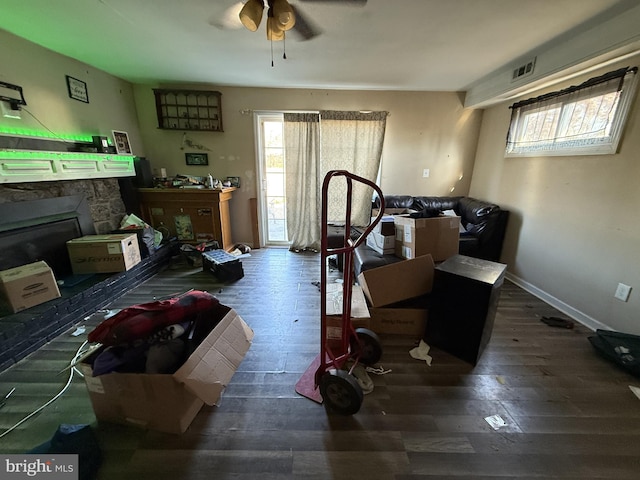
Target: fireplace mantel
x,y
19,166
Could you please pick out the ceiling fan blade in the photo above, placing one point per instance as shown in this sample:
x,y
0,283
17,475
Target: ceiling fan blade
x,y
304,28
228,18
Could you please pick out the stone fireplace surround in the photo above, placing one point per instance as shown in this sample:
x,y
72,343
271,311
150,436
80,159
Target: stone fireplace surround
x,y
24,332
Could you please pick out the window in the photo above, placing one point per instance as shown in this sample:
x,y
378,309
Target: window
x,y
582,120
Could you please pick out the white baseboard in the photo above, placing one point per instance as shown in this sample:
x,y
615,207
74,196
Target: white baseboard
x,y
568,310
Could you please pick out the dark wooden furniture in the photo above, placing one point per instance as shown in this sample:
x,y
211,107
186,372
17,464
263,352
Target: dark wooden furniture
x,y
179,109
463,307
191,215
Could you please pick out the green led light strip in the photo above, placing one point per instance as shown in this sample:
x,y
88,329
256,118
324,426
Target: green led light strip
x,y
23,132
32,155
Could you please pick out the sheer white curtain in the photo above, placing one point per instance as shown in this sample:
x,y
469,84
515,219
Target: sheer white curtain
x,y
302,163
316,144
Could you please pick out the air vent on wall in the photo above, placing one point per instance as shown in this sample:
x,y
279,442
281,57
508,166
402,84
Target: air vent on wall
x,y
524,70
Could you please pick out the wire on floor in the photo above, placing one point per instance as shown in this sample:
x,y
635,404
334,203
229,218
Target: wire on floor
x,y
35,412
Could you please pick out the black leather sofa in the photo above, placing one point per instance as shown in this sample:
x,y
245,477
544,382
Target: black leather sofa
x,y
485,224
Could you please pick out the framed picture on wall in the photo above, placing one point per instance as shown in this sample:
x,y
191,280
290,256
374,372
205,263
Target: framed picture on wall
x,y
121,141
197,158
77,89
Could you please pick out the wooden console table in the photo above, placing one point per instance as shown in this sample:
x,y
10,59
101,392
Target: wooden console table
x,y
191,215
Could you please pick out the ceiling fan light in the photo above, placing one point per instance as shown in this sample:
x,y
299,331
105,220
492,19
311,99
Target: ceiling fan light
x,y
274,32
251,14
283,12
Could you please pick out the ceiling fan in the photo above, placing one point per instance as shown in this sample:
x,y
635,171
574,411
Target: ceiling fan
x,y
281,16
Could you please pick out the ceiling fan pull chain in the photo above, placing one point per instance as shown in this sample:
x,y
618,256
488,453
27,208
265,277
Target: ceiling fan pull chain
x,y
284,47
271,53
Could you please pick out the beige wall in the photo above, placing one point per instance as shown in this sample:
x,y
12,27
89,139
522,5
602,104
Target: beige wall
x,y
424,130
41,74
574,231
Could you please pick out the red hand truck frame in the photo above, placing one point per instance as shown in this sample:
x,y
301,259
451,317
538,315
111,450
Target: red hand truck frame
x,y
330,378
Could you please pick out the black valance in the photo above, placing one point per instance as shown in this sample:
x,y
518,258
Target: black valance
x,y
620,73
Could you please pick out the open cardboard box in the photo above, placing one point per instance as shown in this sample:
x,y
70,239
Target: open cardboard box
x,y
169,403
397,294
397,281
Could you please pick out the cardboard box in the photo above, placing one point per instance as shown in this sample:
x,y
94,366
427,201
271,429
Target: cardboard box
x,y
385,226
28,285
169,403
404,318
104,253
399,321
359,311
383,244
397,281
438,236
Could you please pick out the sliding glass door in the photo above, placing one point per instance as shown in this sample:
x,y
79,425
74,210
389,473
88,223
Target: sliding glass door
x,y
272,199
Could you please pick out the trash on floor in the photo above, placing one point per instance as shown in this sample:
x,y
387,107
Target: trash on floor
x,y
78,331
496,421
557,322
360,373
379,370
421,352
4,400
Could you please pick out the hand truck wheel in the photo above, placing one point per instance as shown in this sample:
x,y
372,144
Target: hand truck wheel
x,y
367,347
341,392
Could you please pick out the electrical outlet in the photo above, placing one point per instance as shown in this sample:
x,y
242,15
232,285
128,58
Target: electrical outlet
x,y
425,173
622,292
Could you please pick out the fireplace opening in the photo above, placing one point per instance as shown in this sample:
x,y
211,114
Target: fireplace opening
x,y
36,230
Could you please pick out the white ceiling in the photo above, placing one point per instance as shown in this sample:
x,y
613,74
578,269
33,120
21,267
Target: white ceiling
x,y
432,45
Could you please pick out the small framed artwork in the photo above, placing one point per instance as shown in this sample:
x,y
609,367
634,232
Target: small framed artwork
x,y
234,181
77,89
197,158
121,141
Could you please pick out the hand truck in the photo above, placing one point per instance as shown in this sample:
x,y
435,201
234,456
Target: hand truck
x,y
330,378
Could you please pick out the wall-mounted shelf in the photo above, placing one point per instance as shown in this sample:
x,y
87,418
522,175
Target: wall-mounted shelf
x,y
18,166
189,109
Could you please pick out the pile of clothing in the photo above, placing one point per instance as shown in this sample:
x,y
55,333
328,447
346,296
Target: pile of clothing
x,y
155,337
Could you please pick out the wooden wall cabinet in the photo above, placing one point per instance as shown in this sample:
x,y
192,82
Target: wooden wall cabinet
x,y
192,216
189,109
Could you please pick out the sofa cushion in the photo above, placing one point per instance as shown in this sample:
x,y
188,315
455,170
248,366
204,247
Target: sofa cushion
x,y
474,214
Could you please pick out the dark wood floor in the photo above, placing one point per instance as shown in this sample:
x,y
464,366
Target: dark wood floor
x,y
570,414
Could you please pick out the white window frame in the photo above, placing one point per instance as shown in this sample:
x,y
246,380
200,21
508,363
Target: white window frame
x,y
562,103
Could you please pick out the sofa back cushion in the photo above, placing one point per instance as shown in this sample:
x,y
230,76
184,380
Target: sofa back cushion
x,y
475,213
435,203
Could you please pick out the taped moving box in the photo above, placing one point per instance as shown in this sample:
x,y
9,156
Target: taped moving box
x,y
104,253
28,285
166,402
437,236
